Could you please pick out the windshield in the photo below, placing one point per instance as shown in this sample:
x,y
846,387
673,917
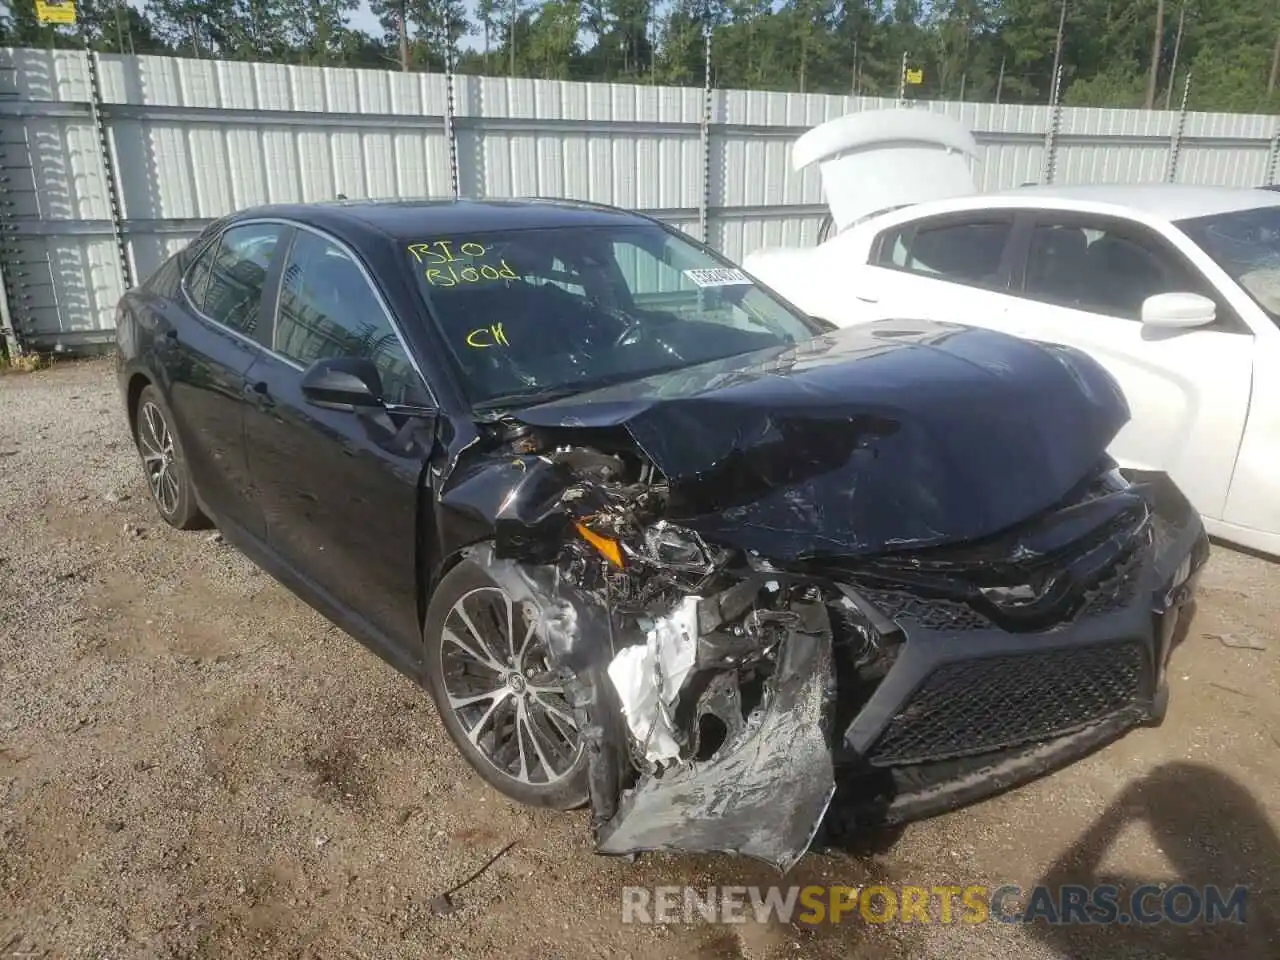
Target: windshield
x,y
538,313
1246,244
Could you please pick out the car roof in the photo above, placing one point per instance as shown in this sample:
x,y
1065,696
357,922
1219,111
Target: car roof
x,y
1169,201
424,220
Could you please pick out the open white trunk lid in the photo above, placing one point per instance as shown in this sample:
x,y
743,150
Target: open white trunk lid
x,y
880,159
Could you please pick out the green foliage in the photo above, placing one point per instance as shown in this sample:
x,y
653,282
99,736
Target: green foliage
x,y
967,49
1116,86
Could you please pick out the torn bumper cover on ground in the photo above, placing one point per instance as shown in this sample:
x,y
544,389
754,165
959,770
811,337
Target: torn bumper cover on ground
x,y
838,597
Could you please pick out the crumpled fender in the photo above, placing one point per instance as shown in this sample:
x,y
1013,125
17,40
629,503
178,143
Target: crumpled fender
x,y
764,793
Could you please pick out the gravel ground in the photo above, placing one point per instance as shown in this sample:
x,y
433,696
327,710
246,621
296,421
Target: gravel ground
x,y
195,764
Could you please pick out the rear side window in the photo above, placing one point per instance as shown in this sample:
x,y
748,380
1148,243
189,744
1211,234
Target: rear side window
x,y
226,282
970,252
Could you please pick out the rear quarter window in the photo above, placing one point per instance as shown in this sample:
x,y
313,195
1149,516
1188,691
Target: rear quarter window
x,y
166,280
970,252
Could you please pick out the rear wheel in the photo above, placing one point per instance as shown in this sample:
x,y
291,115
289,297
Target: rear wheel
x,y
500,702
164,464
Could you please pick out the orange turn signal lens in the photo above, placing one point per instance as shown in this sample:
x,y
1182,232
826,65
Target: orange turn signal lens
x,y
609,549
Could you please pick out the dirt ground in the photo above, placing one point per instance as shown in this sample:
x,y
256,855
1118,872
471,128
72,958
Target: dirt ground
x,y
195,764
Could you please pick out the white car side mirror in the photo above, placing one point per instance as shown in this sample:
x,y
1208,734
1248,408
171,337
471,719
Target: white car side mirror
x,y
1174,310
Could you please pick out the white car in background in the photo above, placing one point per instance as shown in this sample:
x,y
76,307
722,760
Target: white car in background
x,y
1174,289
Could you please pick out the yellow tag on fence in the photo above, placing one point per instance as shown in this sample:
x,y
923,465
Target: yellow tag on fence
x,y
56,11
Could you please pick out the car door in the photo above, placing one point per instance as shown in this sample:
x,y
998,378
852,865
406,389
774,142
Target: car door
x,y
951,268
207,352
1082,282
340,490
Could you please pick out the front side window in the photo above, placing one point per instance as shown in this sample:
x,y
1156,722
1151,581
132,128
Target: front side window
x,y
1101,267
968,252
1246,244
564,309
237,270
328,310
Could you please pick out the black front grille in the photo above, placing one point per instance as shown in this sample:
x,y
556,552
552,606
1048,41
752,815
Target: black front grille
x,y
977,706
933,614
1117,589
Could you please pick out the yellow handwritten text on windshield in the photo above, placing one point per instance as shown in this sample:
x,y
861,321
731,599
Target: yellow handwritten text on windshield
x,y
450,264
442,251
485,337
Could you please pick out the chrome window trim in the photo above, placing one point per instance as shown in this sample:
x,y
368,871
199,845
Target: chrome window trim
x,y
275,307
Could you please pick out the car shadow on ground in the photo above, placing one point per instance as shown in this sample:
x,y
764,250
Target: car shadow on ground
x,y
1213,833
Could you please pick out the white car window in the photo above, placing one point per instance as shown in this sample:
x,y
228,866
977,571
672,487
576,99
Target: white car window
x,y
900,253
963,252
1246,244
1102,269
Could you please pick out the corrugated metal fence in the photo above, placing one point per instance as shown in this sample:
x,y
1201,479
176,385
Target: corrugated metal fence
x,y
108,163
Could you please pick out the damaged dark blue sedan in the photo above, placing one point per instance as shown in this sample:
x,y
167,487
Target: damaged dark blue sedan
x,y
653,540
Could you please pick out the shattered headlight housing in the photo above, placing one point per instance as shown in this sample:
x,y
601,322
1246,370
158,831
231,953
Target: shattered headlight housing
x,y
674,547
663,545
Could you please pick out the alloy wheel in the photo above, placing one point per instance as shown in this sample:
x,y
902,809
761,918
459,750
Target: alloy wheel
x,y
510,705
155,443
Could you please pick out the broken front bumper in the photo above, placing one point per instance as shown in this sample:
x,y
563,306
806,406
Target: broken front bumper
x,y
966,710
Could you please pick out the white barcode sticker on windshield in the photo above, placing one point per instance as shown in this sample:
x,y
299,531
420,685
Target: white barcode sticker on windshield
x,y
718,277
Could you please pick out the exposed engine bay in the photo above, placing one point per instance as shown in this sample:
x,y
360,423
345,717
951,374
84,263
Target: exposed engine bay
x,y
762,602
713,683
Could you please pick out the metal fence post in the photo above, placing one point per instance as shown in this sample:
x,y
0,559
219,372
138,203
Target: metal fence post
x,y
108,170
1175,141
1050,169
704,203
450,131
11,345
22,271
1274,156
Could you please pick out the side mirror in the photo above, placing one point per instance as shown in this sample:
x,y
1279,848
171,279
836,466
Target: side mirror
x,y
1178,310
343,383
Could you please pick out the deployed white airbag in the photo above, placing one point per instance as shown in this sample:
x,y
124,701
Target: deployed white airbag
x,y
648,679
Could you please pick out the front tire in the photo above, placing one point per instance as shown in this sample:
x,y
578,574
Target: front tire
x,y
505,709
164,463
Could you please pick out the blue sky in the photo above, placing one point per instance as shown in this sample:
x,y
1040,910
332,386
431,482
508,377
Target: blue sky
x,y
362,19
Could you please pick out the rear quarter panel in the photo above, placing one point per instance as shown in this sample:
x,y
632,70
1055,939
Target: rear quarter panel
x,y
824,281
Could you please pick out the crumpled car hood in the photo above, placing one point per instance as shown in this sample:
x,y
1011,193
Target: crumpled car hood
x,y
891,435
